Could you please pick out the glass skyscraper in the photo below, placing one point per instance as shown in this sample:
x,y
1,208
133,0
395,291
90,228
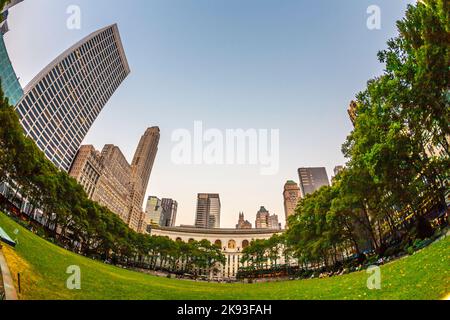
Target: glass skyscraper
x,y
208,211
312,179
9,81
61,103
10,84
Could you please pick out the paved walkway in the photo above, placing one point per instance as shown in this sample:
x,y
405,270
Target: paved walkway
x,y
8,282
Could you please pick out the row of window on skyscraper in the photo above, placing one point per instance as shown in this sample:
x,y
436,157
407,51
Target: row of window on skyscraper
x,y
59,106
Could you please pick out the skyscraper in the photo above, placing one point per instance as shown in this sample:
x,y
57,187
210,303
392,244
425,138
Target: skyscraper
x,y
208,211
273,223
105,176
291,196
312,179
141,168
266,221
262,219
8,78
154,212
170,208
110,180
62,102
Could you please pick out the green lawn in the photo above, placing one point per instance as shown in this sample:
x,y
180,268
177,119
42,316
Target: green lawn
x,y
42,265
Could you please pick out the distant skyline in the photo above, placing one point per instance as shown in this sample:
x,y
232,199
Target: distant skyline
x,y
287,65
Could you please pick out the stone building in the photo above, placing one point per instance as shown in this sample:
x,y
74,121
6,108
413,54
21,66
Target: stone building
x,y
141,168
110,180
291,196
231,241
266,221
242,223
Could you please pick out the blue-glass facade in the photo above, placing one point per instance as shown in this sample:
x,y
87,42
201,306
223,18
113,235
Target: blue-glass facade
x,y
10,84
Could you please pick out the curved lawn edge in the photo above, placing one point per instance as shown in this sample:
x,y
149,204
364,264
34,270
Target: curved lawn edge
x,y
43,266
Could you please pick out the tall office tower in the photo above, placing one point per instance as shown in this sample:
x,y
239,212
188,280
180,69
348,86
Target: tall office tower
x,y
291,196
208,211
62,102
141,168
273,223
312,179
111,181
87,169
8,78
170,208
266,221
105,177
242,223
113,190
154,212
262,219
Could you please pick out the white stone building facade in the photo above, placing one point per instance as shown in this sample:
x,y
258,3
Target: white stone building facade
x,y
231,241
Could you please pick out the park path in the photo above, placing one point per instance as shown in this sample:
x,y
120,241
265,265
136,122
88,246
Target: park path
x,y
8,283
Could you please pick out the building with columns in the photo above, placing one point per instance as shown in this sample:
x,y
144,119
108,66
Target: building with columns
x,y
232,242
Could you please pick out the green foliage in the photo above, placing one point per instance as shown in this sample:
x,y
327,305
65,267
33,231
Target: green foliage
x,y
43,274
75,221
260,253
398,153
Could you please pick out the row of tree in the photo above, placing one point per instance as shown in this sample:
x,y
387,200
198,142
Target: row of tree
x,y
398,168
76,221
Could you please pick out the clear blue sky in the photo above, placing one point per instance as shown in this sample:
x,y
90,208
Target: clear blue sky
x,y
264,64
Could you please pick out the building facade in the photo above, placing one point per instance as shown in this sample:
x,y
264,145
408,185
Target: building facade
x,y
87,169
312,179
170,208
109,179
141,168
208,211
273,222
242,223
154,212
291,196
264,220
231,241
113,189
8,78
105,176
62,102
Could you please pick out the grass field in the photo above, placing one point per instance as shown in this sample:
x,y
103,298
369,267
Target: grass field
x,y
42,266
